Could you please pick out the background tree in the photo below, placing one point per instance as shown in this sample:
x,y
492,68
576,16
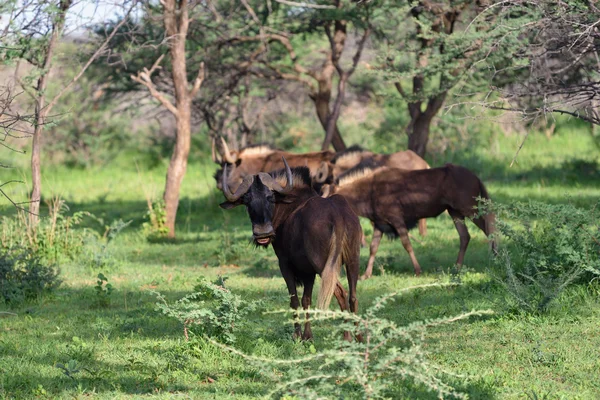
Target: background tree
x,y
431,47
37,27
176,23
558,65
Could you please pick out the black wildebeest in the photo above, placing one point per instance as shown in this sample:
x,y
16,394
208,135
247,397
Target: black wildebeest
x,y
261,158
310,235
356,155
394,199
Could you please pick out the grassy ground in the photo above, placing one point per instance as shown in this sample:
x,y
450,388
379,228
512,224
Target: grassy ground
x,y
127,349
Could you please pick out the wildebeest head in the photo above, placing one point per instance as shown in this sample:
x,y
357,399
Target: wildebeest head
x,y
258,193
240,164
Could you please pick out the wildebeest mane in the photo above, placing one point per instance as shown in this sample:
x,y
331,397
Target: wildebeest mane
x,y
301,176
366,168
349,152
259,148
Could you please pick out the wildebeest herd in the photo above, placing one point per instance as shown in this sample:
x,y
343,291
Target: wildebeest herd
x,y
307,206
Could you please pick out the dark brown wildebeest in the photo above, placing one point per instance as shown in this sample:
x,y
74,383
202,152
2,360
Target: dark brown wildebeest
x,y
394,199
310,235
261,158
356,155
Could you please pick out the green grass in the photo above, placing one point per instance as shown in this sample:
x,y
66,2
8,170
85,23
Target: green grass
x,y
129,350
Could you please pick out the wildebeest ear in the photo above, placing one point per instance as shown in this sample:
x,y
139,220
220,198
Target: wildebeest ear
x,y
228,205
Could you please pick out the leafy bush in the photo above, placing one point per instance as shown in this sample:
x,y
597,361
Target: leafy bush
x,y
156,225
211,310
549,248
54,239
103,291
57,239
371,369
23,276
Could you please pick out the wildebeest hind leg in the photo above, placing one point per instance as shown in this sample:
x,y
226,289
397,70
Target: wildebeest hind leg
x,y
400,227
306,301
340,295
372,251
352,267
463,233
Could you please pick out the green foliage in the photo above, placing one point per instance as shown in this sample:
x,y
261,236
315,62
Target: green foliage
x,y
156,225
55,238
211,310
371,368
549,248
25,276
98,250
103,291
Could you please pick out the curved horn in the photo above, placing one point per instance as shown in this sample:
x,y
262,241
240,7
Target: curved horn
x,y
243,188
272,184
322,172
215,156
226,153
325,191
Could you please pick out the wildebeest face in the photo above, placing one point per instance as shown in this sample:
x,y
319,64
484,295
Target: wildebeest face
x,y
258,193
260,204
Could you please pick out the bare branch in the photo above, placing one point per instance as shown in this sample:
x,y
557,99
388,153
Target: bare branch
x,y
198,81
145,78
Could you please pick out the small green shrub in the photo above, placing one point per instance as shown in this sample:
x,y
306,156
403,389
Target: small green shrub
x,y
24,276
103,291
211,310
549,247
230,251
156,225
389,362
98,252
55,238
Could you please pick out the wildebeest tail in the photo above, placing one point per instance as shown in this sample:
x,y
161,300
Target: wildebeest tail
x,y
490,220
330,274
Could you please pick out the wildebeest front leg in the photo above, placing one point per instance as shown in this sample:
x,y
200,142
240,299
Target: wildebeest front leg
x,y
463,233
306,301
290,281
400,227
377,234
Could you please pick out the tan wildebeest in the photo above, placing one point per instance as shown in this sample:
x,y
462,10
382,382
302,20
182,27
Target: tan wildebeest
x,y
261,158
310,235
394,199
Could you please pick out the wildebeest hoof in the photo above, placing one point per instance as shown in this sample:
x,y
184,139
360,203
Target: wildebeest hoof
x,y
297,336
307,336
347,336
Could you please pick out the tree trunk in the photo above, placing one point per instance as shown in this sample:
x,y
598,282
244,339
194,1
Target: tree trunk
x,y
40,117
331,127
322,99
176,24
418,134
323,113
177,169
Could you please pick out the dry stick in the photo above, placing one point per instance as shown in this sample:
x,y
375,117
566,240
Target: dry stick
x,y
519,149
